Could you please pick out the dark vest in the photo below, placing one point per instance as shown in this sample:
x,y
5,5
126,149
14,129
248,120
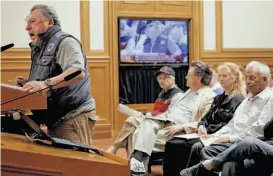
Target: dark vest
x,y
62,100
164,100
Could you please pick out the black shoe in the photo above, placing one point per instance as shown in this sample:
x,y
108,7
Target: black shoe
x,y
191,171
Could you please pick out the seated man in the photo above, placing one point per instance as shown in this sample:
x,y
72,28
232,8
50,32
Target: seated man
x,y
249,148
194,104
249,118
168,98
256,163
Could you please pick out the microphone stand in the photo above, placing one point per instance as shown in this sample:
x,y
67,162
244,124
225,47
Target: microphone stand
x,y
67,78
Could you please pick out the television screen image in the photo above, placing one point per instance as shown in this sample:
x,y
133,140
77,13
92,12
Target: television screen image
x,y
153,41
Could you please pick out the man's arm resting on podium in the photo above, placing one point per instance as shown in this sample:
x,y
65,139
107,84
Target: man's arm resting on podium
x,y
33,86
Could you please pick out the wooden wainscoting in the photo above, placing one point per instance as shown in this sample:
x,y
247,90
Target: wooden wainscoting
x,y
100,88
11,69
99,67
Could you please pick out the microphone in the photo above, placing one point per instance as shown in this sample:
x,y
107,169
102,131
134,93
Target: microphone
x,y
13,114
5,47
72,75
67,78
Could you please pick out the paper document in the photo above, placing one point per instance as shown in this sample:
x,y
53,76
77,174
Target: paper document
x,y
188,136
206,142
12,86
129,111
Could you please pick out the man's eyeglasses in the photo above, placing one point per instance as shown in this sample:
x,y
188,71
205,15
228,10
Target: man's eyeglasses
x,y
252,78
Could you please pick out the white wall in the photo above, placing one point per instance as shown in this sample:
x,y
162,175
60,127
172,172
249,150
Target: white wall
x,y
96,17
13,14
246,24
209,25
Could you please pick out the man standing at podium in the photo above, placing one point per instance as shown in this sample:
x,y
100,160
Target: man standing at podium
x,y
54,55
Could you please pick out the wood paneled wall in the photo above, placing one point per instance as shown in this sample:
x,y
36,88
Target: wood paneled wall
x,y
103,65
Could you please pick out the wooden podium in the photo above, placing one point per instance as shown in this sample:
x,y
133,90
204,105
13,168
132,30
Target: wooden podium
x,y
31,102
24,159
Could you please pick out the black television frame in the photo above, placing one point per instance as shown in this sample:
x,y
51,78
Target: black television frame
x,y
173,65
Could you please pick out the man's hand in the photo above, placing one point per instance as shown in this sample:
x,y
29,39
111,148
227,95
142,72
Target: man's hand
x,y
202,130
34,86
174,129
221,140
205,136
20,80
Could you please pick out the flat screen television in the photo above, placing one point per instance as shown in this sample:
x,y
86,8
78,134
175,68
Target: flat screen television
x,y
153,41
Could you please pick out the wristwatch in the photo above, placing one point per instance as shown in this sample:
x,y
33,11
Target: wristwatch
x,y
48,83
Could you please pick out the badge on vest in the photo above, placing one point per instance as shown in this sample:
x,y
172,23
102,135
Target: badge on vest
x,y
50,47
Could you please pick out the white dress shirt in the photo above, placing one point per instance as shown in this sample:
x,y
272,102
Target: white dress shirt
x,y
250,117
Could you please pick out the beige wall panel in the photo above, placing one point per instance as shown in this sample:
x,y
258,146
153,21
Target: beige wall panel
x,y
100,88
135,6
177,7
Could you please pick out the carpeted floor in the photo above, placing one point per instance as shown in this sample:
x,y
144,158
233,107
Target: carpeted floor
x,y
104,144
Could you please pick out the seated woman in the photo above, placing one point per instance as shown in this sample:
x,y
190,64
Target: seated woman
x,y
220,113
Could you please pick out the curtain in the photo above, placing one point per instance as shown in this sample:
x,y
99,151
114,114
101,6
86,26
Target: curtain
x,y
138,84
